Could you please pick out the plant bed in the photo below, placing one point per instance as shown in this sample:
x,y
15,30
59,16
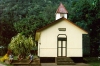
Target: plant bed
x,y
25,62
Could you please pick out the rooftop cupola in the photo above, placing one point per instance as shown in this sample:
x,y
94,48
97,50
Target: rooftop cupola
x,y
61,12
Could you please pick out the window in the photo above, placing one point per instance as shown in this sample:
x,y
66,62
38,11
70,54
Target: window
x,y
62,29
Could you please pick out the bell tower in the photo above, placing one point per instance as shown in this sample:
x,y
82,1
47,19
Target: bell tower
x,y
61,12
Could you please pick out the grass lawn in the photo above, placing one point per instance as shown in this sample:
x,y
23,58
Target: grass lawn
x,y
93,61
94,64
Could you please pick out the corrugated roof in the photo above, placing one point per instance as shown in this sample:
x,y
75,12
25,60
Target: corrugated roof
x,y
61,9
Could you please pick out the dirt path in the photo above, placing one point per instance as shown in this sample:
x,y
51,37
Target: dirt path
x,y
54,64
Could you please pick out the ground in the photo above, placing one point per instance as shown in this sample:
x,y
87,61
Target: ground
x,y
54,64
91,61
2,65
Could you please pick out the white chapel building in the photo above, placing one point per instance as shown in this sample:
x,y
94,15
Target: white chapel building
x,y
61,38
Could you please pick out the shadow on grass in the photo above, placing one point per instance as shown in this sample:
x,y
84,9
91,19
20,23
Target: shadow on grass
x,y
93,61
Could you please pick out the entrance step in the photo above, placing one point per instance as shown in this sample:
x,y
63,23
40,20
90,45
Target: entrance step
x,y
64,61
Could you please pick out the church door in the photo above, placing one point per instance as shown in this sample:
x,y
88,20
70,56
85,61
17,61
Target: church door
x,y
61,45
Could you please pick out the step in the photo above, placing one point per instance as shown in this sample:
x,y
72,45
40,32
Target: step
x,y
64,61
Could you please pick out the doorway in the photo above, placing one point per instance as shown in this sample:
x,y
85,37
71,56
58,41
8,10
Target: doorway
x,y
61,45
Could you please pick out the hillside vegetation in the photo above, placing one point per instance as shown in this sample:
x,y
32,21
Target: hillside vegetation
x,y
26,16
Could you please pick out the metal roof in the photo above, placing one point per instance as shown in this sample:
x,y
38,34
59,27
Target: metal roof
x,y
61,9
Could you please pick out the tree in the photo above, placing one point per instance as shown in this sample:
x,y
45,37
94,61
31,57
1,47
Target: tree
x,y
21,44
86,14
26,16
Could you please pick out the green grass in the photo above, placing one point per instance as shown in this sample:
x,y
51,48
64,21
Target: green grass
x,y
95,64
0,56
93,61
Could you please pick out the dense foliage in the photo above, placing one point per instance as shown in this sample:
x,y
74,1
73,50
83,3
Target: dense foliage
x,y
26,16
21,44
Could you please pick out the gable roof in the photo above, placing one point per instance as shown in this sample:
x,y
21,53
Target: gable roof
x,y
57,21
61,9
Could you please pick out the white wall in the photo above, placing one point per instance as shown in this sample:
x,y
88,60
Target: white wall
x,y
58,16
48,40
74,52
